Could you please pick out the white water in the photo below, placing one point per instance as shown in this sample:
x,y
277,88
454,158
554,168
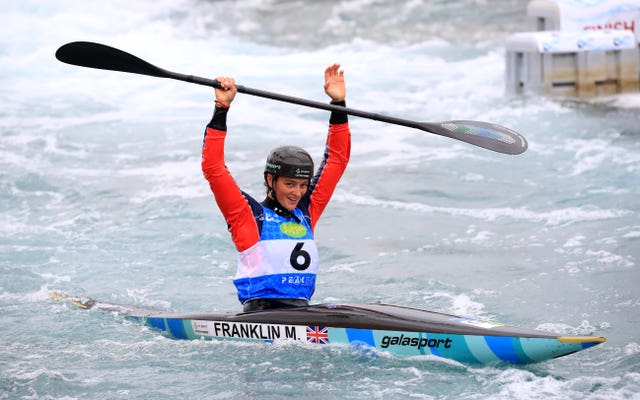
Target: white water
x,y
102,194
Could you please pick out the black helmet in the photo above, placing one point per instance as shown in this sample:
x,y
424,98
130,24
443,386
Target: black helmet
x,y
289,161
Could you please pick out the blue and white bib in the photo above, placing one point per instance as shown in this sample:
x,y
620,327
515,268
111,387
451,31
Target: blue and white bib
x,y
282,264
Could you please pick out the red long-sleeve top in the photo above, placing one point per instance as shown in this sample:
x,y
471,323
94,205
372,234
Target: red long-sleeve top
x,y
241,211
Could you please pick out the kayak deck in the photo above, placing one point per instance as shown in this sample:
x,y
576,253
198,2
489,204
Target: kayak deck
x,y
390,328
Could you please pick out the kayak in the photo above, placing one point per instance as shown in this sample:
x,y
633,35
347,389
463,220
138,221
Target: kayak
x,y
398,330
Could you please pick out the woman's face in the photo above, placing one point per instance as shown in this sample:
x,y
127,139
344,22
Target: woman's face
x,y
288,191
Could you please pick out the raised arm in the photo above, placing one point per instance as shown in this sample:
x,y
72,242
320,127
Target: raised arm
x,y
338,146
233,203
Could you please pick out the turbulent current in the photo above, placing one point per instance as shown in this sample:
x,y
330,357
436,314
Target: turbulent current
x,y
101,194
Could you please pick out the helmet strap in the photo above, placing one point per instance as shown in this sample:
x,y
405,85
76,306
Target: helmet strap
x,y
270,190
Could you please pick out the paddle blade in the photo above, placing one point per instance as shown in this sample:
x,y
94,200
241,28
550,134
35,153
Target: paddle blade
x,y
100,56
482,134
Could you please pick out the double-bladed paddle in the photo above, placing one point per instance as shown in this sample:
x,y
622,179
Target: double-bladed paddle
x,y
486,135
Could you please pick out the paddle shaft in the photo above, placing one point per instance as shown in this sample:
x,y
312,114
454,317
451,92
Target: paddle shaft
x,y
482,134
296,100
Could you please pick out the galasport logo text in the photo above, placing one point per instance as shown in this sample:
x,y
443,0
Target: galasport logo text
x,y
420,343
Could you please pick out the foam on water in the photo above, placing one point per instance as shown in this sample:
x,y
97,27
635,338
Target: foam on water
x,y
101,194
556,217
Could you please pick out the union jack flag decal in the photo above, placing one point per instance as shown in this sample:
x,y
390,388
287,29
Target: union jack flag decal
x,y
318,334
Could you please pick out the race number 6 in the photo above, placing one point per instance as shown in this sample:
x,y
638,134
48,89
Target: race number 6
x,y
297,254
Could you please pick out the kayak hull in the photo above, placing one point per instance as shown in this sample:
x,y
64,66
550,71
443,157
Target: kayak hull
x,y
471,349
393,329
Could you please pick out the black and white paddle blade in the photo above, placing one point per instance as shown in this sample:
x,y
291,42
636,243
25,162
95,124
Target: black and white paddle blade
x,y
100,56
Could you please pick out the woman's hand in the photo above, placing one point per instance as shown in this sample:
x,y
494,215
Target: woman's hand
x,y
225,96
334,83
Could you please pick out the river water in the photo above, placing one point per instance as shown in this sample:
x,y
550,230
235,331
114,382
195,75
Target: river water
x,y
102,195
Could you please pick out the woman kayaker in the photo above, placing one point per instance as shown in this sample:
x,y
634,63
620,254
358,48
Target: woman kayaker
x,y
277,254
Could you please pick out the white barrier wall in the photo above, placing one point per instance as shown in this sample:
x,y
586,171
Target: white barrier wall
x,y
574,64
581,48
